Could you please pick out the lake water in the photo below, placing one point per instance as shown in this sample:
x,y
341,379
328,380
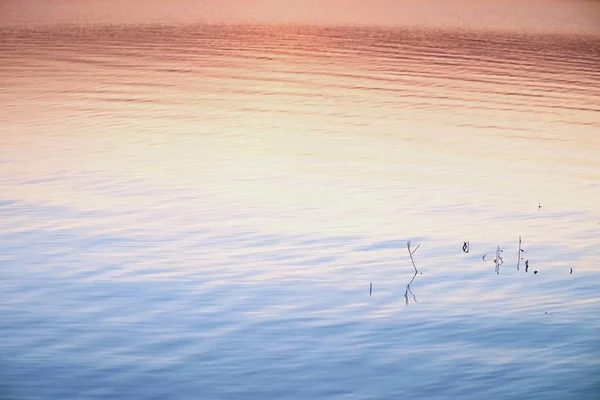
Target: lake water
x,y
198,212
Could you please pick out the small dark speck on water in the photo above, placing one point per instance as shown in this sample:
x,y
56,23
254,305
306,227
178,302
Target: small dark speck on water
x,y
535,272
371,288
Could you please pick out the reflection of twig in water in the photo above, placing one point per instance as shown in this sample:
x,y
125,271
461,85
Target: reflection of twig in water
x,y
408,290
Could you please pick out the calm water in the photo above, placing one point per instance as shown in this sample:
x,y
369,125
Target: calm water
x,y
198,213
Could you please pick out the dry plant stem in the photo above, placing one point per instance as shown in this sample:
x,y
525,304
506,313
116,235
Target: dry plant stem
x,y
519,254
408,290
410,253
499,261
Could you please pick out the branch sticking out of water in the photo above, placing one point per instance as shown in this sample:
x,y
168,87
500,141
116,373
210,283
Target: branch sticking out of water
x,y
519,258
411,252
498,260
408,290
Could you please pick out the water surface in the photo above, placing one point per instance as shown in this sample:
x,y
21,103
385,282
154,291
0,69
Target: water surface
x,y
198,212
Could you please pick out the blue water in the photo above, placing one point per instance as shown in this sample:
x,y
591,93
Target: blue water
x,y
199,212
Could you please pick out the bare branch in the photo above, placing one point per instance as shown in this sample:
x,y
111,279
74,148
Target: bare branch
x,y
410,253
519,254
408,289
498,261
415,250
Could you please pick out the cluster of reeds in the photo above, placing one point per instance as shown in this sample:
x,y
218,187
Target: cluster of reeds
x,y
498,262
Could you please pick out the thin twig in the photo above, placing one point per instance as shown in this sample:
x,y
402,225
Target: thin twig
x,y
499,261
414,251
410,253
408,289
519,254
